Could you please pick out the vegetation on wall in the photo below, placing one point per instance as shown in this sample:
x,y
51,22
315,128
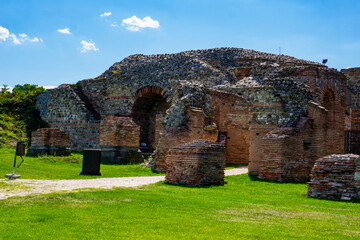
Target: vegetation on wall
x,y
18,116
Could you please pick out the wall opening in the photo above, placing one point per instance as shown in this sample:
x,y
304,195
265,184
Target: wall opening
x,y
147,112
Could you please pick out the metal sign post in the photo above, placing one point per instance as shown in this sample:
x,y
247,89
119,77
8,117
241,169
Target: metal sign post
x,y
20,151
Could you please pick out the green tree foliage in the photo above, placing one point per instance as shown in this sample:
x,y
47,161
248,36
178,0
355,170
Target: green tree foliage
x,y
18,116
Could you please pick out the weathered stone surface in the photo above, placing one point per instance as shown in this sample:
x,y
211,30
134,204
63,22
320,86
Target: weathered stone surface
x,y
198,163
335,177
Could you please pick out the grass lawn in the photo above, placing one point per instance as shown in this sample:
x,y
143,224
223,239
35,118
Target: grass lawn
x,y
63,167
241,209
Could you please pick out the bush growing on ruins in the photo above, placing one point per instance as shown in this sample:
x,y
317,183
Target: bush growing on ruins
x,y
18,116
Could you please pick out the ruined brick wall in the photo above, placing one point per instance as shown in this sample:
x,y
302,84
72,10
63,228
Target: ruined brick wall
x,y
119,131
119,140
353,98
233,114
257,133
63,108
49,141
195,130
244,92
336,177
198,163
288,154
283,158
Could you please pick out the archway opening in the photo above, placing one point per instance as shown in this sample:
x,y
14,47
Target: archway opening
x,y
147,112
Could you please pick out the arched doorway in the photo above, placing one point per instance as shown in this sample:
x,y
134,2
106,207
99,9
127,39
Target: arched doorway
x,y
147,111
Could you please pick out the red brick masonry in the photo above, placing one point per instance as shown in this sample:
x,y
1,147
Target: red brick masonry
x,y
50,141
336,177
198,163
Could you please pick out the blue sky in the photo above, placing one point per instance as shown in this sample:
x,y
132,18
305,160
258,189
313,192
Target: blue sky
x,y
53,42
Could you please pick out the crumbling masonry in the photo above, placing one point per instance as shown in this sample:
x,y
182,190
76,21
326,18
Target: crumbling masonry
x,y
276,113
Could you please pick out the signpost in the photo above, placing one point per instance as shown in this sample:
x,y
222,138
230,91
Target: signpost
x,y
20,151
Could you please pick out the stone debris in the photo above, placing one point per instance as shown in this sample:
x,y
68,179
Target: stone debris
x,y
336,177
199,163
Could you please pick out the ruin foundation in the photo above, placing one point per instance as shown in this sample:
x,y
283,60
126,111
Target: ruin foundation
x,y
336,177
199,163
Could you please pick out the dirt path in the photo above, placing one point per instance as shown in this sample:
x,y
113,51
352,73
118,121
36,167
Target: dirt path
x,y
24,187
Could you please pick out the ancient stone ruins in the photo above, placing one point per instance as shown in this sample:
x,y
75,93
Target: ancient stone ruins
x,y
276,113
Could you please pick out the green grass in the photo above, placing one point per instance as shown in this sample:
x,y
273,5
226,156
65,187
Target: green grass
x,y
242,209
49,167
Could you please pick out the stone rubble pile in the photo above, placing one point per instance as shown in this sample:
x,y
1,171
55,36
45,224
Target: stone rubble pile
x,y
336,177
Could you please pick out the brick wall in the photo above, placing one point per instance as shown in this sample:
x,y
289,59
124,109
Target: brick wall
x,y
233,115
257,133
49,141
198,163
195,130
336,177
353,98
119,131
283,158
119,140
288,154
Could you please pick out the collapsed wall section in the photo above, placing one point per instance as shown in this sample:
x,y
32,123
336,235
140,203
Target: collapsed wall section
x,y
336,177
195,130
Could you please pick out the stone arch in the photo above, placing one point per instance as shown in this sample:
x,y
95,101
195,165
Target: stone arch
x,y
149,90
148,108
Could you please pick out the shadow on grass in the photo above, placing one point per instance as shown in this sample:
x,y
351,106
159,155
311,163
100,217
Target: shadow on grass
x,y
255,178
117,163
195,186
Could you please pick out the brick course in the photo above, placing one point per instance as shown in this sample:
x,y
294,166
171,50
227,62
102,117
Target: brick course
x,y
336,177
49,141
199,163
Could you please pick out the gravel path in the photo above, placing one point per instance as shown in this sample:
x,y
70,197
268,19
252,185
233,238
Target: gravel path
x,y
24,187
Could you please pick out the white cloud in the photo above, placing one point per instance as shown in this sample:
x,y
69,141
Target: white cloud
x,y
135,24
64,31
35,39
87,46
4,33
105,14
17,40
22,38
114,24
